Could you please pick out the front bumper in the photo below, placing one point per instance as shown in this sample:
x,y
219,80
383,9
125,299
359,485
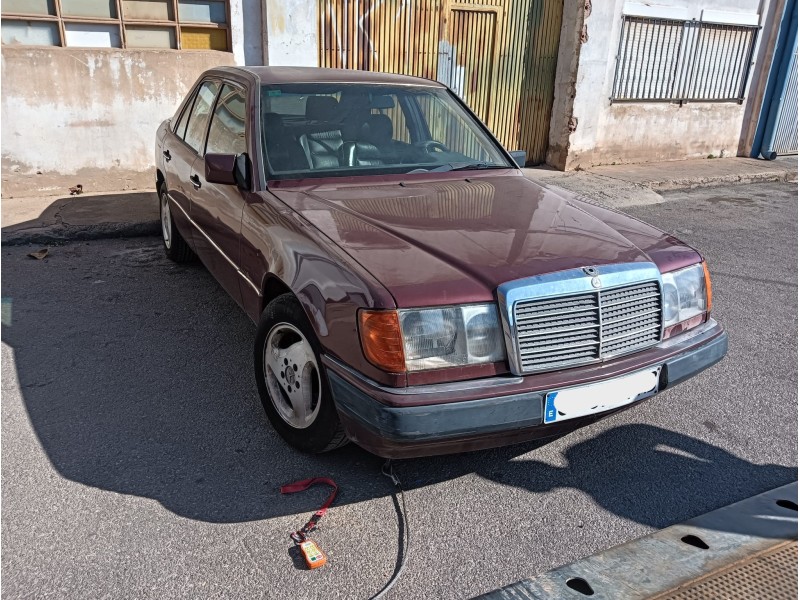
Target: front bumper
x,y
463,416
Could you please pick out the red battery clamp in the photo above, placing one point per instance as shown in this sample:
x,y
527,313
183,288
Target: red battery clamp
x,y
312,554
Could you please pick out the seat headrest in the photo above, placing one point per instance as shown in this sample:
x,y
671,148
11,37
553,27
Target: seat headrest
x,y
379,129
321,108
272,121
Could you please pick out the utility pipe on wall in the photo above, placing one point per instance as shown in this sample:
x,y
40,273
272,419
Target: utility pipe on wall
x,y
783,52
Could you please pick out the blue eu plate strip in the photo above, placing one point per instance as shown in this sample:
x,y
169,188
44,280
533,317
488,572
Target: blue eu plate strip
x,y
550,407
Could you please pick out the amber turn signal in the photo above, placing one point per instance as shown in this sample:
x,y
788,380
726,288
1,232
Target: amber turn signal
x,y
381,339
708,289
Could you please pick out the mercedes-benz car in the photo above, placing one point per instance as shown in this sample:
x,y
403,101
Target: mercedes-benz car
x,y
413,291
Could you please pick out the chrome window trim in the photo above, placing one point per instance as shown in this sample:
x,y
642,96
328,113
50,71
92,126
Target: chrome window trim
x,y
567,283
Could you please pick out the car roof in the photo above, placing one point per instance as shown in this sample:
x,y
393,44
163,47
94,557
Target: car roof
x,y
280,75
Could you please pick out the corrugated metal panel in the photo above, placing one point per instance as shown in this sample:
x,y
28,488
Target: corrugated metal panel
x,y
786,135
472,34
535,29
498,55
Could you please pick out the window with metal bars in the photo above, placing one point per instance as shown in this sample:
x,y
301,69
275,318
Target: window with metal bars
x,y
664,60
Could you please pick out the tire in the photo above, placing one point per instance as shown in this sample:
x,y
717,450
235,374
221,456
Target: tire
x,y
293,388
175,247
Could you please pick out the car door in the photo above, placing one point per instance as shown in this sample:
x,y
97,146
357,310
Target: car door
x,y
179,154
217,208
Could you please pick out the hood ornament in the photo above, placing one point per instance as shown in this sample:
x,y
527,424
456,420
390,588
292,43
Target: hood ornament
x,y
594,274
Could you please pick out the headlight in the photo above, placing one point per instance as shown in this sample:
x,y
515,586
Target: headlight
x,y
449,337
434,338
686,298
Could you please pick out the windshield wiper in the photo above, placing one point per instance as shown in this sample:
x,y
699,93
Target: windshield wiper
x,y
459,167
481,165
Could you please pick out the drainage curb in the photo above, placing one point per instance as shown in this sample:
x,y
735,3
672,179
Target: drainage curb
x,y
61,234
691,183
670,558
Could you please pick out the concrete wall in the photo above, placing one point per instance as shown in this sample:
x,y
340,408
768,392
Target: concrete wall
x,y
89,114
587,129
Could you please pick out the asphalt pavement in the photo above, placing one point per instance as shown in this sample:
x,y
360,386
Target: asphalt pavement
x,y
137,461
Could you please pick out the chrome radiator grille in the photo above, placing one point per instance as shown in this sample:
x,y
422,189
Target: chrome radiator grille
x,y
554,333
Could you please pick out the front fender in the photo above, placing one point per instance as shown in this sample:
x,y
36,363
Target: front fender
x,y
277,243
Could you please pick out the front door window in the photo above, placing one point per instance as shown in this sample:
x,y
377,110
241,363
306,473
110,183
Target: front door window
x,y
227,132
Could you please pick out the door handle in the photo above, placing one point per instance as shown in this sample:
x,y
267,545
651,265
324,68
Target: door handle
x,y
167,155
195,179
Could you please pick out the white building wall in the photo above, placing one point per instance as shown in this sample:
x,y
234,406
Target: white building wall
x,y
275,32
246,27
291,33
587,129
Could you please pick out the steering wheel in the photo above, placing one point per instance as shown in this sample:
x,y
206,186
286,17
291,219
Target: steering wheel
x,y
431,145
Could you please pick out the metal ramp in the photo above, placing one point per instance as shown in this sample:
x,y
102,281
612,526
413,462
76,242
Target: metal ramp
x,y
744,551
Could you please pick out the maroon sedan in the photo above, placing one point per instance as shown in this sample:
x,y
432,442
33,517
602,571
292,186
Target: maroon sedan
x,y
413,291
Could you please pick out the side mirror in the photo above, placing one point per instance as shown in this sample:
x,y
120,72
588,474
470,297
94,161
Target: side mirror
x,y
519,157
219,168
228,169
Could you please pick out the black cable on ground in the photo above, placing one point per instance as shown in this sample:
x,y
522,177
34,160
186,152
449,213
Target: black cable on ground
x,y
403,531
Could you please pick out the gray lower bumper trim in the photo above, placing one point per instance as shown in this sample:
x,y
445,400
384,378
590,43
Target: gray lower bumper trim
x,y
692,362
487,415
438,421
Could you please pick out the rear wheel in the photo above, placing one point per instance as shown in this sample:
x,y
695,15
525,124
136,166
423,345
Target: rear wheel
x,y
175,247
292,386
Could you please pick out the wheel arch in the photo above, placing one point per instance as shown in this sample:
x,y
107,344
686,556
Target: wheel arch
x,y
273,287
312,306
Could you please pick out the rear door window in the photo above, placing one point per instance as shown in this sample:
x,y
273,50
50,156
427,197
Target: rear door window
x,y
198,119
180,128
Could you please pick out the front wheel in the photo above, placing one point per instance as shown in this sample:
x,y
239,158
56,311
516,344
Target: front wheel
x,y
292,386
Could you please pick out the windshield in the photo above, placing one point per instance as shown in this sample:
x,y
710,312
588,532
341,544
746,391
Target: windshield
x,y
330,130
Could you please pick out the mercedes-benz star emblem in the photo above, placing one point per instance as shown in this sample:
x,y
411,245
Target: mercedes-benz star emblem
x,y
594,274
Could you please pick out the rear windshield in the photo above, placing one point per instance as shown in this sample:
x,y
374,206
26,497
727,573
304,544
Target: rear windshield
x,y
327,130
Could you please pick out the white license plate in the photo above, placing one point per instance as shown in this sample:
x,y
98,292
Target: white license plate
x,y
583,400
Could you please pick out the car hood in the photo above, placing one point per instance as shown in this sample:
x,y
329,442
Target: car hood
x,y
454,240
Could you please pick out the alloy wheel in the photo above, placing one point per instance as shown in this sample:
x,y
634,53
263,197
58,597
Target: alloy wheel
x,y
292,375
166,221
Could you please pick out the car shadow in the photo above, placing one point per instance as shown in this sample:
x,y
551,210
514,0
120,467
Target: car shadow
x,y
136,377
